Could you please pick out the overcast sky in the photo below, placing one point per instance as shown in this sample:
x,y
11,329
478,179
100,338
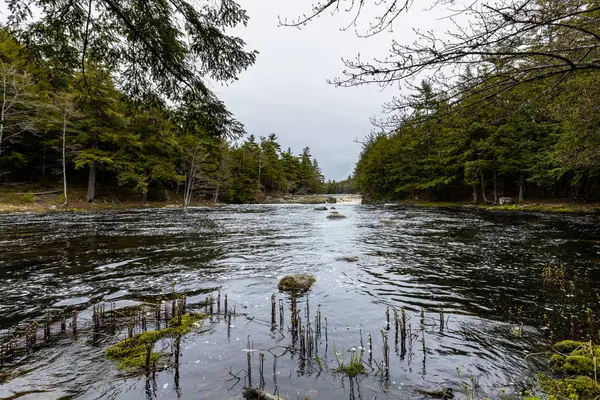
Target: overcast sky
x,y
286,92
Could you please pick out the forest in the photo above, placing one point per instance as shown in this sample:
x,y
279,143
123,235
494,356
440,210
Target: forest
x,y
74,129
518,145
507,104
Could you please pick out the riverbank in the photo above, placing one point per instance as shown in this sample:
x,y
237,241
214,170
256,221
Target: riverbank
x,y
35,199
558,207
47,200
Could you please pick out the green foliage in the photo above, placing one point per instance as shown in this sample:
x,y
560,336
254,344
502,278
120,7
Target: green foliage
x,y
115,134
497,148
27,198
347,185
160,48
263,168
353,368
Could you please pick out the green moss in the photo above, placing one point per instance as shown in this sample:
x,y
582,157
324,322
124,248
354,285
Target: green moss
x,y
567,346
131,353
27,198
298,282
578,365
580,387
185,323
353,369
557,360
138,362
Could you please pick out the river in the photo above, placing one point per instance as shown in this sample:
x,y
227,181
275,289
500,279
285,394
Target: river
x,y
470,283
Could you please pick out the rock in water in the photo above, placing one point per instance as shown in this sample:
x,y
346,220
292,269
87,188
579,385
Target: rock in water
x,y
320,208
347,258
505,200
299,282
443,394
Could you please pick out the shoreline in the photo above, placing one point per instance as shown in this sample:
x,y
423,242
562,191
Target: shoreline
x,y
46,204
545,207
50,204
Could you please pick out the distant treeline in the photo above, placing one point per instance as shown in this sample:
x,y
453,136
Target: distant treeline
x,y
57,125
341,187
541,140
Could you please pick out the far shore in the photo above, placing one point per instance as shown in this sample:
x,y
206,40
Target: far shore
x,y
558,206
52,201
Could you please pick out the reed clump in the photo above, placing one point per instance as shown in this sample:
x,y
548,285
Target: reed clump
x,y
554,276
354,368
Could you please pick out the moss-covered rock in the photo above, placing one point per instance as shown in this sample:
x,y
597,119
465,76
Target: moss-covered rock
x,y
557,360
580,387
578,365
575,358
130,354
567,346
298,282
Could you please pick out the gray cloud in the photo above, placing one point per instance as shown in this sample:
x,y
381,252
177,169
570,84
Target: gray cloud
x,y
286,91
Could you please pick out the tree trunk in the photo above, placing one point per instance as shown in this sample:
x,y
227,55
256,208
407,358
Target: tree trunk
x,y
91,194
495,188
259,170
483,189
475,199
145,197
2,109
64,160
217,192
521,190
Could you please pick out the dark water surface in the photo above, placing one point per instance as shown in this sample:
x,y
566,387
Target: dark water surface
x,y
483,269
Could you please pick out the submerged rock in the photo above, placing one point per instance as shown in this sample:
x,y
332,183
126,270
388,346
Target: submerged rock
x,y
335,215
298,282
320,208
347,258
258,394
444,394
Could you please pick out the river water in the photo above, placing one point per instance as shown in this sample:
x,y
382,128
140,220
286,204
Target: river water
x,y
479,273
